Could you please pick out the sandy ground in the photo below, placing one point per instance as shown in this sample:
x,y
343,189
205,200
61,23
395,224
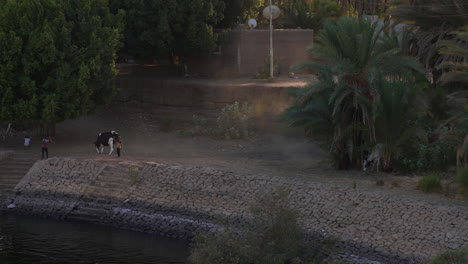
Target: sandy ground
x,y
278,150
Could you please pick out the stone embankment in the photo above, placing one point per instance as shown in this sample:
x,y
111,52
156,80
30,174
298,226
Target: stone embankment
x,y
13,167
178,201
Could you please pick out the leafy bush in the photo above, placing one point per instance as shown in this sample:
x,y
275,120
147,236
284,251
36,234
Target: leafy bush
x,y
235,121
430,152
427,157
459,256
430,183
380,183
462,183
200,126
272,237
395,184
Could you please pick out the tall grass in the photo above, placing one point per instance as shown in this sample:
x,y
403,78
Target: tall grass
x,y
430,183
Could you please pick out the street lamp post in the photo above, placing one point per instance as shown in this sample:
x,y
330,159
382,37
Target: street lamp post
x,y
271,12
271,39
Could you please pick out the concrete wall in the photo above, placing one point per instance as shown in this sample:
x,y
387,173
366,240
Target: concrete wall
x,y
245,52
177,201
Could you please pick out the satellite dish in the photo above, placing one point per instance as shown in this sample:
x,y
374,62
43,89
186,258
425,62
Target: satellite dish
x,y
252,23
275,12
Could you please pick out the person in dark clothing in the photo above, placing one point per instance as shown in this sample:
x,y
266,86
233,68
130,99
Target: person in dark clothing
x,y
45,147
118,145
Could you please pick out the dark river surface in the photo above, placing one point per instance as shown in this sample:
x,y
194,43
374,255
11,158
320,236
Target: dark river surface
x,y
32,240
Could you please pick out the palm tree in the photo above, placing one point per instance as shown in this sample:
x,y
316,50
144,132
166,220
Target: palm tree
x,y
457,72
431,21
351,56
396,112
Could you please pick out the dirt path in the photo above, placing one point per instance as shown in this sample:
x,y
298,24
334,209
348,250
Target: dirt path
x,y
280,151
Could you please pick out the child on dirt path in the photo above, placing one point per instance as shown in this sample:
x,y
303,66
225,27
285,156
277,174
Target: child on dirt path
x,y
118,145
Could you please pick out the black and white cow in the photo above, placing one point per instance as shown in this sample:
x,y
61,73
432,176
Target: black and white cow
x,y
105,139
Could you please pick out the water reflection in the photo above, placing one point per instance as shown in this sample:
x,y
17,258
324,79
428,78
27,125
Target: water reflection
x,y
31,240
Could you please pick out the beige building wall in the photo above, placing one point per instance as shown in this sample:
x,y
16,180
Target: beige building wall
x,y
245,52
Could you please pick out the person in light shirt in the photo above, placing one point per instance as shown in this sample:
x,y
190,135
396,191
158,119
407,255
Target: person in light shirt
x,y
27,142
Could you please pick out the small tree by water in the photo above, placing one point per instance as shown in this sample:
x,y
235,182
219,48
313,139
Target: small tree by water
x,y
274,236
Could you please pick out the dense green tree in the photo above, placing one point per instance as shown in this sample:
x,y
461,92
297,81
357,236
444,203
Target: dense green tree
x,y
364,7
56,59
239,12
156,29
311,15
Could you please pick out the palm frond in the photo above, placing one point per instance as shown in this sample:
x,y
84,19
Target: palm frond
x,y
432,23
457,48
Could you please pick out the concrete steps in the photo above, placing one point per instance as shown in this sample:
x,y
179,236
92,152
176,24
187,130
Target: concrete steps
x,y
114,181
13,169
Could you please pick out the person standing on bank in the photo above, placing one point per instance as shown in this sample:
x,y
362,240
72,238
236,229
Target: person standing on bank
x,y
45,147
118,145
27,142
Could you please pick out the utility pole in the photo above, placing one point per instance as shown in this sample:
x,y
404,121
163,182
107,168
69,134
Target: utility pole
x,y
271,39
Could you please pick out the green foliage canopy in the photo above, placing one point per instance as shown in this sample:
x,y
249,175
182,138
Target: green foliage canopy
x,y
178,27
240,11
311,15
56,58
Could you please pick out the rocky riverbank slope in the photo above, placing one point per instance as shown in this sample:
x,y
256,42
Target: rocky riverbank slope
x,y
180,200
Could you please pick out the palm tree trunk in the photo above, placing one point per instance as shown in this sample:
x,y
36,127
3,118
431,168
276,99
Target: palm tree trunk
x,y
345,7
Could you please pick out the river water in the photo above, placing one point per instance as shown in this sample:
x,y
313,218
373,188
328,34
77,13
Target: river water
x,y
25,240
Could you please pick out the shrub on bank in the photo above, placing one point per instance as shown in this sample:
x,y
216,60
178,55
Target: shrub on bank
x,y
273,236
200,127
459,256
462,183
430,183
421,156
233,122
